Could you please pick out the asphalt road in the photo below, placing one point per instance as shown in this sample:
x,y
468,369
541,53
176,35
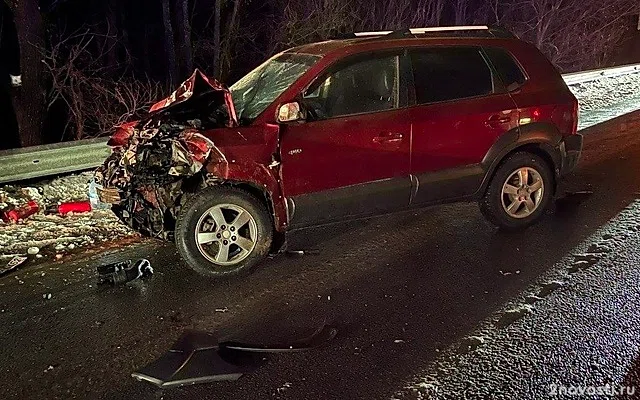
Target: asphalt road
x,y
403,291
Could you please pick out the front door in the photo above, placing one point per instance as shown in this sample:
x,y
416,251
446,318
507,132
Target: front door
x,y
351,157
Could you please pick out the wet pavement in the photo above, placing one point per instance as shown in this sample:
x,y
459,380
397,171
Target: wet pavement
x,y
406,292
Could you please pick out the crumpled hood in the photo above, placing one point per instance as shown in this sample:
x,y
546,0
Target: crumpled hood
x,y
198,88
198,98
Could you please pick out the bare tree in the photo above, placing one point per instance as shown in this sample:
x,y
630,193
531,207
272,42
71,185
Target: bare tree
x,y
169,44
183,37
96,104
217,36
575,34
30,99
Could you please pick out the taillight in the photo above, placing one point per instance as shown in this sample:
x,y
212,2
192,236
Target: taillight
x,y
565,118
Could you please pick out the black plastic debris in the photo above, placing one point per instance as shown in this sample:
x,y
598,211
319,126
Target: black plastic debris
x,y
123,272
197,357
14,263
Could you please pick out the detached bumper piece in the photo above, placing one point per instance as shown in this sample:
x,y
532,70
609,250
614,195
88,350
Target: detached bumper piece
x,y
571,150
197,357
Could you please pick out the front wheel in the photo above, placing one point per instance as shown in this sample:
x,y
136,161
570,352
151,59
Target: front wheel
x,y
519,192
223,231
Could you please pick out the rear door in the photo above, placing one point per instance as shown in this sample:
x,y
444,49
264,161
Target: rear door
x,y
351,157
461,109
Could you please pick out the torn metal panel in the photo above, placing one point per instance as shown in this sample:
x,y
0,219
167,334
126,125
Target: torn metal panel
x,y
197,357
318,338
199,88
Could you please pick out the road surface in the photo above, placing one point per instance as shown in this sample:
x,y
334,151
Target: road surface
x,y
405,291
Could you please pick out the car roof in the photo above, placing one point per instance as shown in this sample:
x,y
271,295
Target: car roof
x,y
354,45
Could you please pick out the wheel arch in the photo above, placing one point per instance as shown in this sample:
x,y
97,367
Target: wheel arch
x,y
541,139
265,197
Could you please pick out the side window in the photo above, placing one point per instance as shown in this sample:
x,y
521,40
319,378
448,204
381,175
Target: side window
x,y
365,86
507,68
442,74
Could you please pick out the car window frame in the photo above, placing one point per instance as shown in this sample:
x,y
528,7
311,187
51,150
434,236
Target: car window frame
x,y
401,71
517,62
497,84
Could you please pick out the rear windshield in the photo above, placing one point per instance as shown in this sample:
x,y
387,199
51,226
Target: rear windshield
x,y
507,68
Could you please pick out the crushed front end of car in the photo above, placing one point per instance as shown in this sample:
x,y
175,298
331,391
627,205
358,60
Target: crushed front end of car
x,y
158,159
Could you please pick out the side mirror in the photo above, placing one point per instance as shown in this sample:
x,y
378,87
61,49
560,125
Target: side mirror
x,y
291,112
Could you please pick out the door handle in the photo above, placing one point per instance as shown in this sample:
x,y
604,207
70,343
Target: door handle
x,y
497,120
389,137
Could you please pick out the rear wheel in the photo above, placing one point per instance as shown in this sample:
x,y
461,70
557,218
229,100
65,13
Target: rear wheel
x,y
223,231
519,192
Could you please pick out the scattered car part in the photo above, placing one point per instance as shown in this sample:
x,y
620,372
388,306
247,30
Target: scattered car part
x,y
123,272
324,334
14,263
23,212
197,357
294,253
70,207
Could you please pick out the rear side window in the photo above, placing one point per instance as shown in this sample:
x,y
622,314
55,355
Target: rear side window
x,y
442,74
507,68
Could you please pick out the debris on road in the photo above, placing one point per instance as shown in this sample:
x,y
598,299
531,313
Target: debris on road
x,y
197,357
32,251
15,214
70,207
294,253
46,232
14,263
124,272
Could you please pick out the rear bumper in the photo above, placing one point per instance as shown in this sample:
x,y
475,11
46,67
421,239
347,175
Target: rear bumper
x,y
570,150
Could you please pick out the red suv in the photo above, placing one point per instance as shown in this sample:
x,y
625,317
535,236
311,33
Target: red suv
x,y
365,125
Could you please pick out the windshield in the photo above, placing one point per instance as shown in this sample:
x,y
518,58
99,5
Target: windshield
x,y
260,87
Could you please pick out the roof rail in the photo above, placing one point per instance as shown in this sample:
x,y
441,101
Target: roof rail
x,y
469,30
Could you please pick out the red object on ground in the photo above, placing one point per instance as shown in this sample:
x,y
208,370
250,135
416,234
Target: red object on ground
x,y
22,212
74,206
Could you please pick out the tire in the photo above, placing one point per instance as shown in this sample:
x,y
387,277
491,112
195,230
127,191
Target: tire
x,y
204,252
505,208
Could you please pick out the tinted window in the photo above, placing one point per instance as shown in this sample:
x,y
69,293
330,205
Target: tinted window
x,y
363,87
508,69
442,74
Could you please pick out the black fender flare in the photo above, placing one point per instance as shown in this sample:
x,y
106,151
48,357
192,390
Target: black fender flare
x,y
545,138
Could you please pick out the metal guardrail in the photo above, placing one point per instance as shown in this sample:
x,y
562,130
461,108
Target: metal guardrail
x,y
53,159
589,76
61,158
